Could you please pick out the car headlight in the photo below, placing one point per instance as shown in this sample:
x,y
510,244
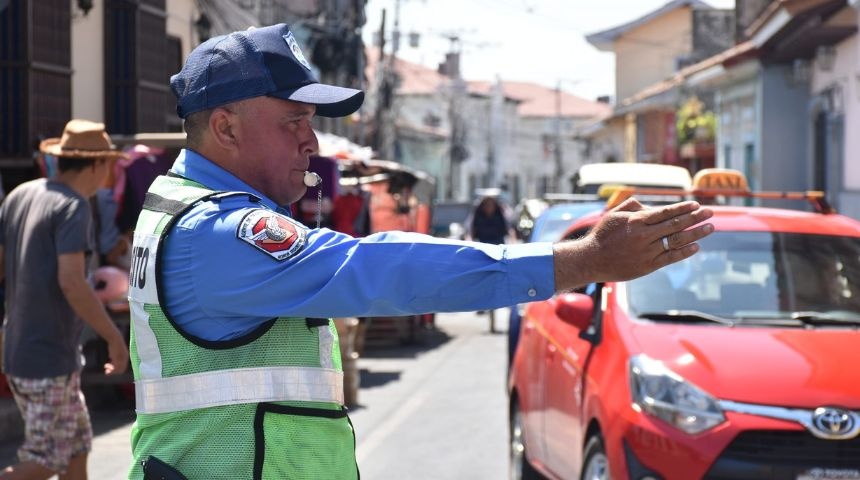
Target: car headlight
x,y
664,394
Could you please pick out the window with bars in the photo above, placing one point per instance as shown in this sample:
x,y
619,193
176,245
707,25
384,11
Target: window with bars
x,y
137,95
35,76
173,58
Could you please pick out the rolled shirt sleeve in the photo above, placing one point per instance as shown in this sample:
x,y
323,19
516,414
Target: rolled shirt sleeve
x,y
218,286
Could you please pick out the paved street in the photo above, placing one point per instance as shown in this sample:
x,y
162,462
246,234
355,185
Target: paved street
x,y
430,411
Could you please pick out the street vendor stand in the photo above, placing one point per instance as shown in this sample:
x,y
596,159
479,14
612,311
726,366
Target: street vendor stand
x,y
394,197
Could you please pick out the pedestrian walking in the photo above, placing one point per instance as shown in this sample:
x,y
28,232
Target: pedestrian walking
x,y
45,238
236,360
489,224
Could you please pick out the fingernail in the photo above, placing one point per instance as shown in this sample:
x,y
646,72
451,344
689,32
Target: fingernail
x,y
708,228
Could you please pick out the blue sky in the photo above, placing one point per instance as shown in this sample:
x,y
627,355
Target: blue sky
x,y
541,41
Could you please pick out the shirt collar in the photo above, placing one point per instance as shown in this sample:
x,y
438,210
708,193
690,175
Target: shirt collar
x,y
194,166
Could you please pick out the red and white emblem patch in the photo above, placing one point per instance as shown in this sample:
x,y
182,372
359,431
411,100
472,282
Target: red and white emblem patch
x,y
278,235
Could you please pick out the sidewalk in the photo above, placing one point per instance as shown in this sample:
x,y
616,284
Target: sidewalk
x,y
11,426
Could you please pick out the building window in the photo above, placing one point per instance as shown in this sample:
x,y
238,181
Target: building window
x,y
137,96
35,81
174,65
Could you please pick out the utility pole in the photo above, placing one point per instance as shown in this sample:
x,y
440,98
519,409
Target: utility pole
x,y
385,132
556,181
494,135
383,97
558,157
456,90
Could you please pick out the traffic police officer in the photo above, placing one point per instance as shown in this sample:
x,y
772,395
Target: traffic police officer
x,y
236,363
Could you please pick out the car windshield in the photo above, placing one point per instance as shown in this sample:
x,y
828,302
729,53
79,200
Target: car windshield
x,y
756,276
555,220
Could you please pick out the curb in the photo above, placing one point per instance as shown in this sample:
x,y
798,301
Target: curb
x,y
11,425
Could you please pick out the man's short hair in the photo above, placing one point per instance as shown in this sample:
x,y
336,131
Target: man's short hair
x,y
74,164
196,125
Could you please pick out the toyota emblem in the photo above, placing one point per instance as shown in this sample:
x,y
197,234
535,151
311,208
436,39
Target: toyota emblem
x,y
835,423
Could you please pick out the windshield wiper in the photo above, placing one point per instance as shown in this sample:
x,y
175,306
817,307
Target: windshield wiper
x,y
827,318
688,315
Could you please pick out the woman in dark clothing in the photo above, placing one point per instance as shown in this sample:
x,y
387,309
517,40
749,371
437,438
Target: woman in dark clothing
x,y
489,224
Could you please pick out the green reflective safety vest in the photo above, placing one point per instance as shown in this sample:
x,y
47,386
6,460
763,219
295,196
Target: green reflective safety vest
x,y
268,405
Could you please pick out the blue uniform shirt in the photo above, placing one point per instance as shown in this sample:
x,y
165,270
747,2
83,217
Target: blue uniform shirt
x,y
218,286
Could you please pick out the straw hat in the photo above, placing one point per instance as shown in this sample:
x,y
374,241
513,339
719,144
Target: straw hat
x,y
81,139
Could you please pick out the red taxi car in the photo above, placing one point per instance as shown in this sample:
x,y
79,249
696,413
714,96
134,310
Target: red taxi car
x,y
741,362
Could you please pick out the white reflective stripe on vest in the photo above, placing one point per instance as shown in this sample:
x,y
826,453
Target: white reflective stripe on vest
x,y
326,345
237,386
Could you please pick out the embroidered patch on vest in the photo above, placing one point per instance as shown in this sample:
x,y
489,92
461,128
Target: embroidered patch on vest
x,y
278,235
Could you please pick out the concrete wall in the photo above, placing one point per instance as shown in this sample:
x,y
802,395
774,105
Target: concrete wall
x,y
181,15
505,130
843,78
784,144
88,78
737,107
844,82
423,151
605,144
646,54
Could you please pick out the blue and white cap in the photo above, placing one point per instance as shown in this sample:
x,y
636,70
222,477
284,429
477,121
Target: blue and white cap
x,y
252,63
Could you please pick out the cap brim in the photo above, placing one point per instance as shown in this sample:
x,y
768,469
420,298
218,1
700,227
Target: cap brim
x,y
331,101
51,146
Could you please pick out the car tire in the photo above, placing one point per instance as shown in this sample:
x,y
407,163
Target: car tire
x,y
520,468
595,465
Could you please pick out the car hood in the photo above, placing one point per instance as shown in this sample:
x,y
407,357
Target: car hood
x,y
774,366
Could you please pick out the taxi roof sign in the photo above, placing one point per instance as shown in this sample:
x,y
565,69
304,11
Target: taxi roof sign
x,y
608,189
721,182
720,179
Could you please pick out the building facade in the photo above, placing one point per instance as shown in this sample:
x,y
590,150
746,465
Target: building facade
x,y
106,61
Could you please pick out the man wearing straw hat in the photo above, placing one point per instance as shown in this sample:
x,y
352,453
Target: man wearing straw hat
x,y
45,240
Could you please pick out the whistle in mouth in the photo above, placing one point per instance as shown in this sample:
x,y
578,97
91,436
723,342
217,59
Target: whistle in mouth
x,y
311,179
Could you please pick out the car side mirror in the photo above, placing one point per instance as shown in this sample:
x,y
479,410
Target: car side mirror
x,y
575,309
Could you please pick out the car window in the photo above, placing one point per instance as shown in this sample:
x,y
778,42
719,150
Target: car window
x,y
756,274
445,214
551,230
554,221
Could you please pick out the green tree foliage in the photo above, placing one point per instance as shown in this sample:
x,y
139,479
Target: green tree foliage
x,y
694,123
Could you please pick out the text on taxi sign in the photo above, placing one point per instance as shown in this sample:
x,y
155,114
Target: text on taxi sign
x,y
720,179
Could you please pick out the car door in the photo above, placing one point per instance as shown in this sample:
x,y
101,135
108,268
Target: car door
x,y
531,374
566,356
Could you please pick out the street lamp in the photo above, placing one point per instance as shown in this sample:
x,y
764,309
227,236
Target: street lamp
x,y
85,6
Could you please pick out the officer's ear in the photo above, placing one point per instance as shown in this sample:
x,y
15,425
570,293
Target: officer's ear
x,y
223,124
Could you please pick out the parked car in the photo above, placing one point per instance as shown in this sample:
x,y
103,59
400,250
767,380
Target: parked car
x,y
448,219
738,362
593,184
